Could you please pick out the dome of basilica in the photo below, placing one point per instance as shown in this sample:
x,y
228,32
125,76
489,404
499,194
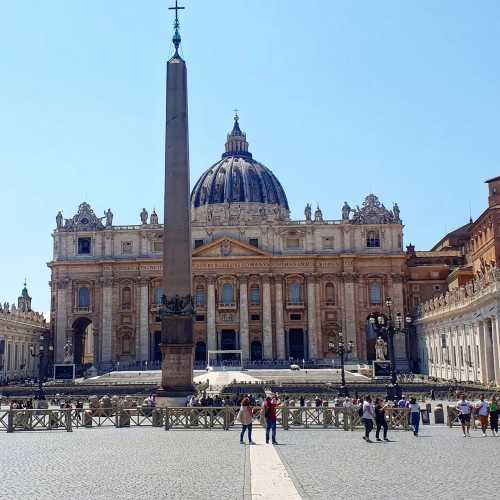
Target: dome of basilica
x,y
237,179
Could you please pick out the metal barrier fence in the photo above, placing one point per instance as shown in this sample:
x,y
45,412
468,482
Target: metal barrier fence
x,y
189,418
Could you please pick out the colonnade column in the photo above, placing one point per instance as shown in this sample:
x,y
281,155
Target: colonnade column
x,y
496,345
211,335
280,332
267,331
488,348
143,334
472,340
244,341
107,319
482,352
311,316
61,320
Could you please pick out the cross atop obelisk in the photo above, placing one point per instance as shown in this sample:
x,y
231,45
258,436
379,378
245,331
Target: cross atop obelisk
x,y
176,39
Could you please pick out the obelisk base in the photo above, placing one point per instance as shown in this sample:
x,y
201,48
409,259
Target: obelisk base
x,y
176,375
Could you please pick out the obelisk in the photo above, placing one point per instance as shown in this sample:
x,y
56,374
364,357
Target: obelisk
x,y
176,311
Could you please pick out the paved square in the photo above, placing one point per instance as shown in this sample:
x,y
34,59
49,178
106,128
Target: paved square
x,y
147,462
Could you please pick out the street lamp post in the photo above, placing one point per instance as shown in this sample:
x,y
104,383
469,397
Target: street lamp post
x,y
341,349
39,394
391,327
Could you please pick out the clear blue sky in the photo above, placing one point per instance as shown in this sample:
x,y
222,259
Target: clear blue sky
x,y
338,98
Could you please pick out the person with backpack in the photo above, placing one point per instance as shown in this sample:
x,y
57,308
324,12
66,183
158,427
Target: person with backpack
x,y
270,405
367,411
245,416
494,415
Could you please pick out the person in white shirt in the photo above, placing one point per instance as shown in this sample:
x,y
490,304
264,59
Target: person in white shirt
x,y
464,409
367,417
414,415
482,410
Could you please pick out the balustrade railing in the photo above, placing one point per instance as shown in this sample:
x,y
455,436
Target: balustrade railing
x,y
222,418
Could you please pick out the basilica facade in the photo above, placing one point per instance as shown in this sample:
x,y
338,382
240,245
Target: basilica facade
x,y
272,287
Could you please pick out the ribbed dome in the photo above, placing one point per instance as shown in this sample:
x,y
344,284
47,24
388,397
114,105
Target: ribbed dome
x,y
238,178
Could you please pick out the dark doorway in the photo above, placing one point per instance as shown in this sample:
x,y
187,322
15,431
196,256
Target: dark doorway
x,y
156,346
296,343
228,343
256,351
200,353
83,342
372,333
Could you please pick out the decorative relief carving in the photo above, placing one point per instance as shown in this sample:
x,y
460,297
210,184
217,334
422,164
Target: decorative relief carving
x,y
84,220
374,212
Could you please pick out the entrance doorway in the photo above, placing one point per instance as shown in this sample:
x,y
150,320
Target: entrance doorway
x,y
200,353
84,344
256,351
296,343
156,351
228,342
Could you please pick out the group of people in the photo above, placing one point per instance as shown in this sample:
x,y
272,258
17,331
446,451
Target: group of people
x,y
484,409
374,413
267,417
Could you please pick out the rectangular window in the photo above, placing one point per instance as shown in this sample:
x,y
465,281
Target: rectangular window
x,y
373,239
295,317
198,243
127,247
200,317
254,296
157,246
84,246
254,242
293,243
255,317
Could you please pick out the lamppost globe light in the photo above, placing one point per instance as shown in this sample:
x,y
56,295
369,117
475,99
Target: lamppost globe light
x,y
381,320
372,320
51,347
40,348
388,302
408,319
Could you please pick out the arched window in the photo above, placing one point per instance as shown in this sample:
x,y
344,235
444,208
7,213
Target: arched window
x,y
255,295
227,293
83,297
200,296
127,298
157,295
373,239
256,351
375,293
294,292
330,293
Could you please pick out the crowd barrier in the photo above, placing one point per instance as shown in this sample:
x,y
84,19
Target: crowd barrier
x,y
189,418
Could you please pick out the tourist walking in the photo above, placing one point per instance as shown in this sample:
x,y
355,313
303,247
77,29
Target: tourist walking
x,y
482,408
414,415
368,413
494,415
464,410
380,420
245,418
270,405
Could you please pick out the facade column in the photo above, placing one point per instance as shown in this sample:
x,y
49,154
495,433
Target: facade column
x,y
107,320
211,334
61,319
350,315
267,330
142,341
472,337
495,345
244,340
280,333
463,330
311,317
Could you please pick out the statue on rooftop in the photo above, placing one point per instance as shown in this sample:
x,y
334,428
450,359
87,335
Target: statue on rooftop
x,y
346,210
144,216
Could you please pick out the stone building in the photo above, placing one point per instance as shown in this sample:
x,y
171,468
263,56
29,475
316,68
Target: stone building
x,y
273,287
457,331
20,330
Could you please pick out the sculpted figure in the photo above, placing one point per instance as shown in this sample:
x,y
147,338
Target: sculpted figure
x,y
59,220
109,217
210,214
346,210
318,215
308,212
154,217
144,216
68,352
380,349
396,212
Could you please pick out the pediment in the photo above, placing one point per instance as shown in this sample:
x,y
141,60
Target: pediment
x,y
228,247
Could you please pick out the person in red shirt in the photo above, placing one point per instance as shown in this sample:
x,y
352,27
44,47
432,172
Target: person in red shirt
x,y
270,416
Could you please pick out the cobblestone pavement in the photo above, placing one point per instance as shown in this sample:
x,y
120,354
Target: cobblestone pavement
x,y
146,462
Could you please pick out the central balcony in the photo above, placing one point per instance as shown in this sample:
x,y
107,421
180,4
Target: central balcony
x,y
227,306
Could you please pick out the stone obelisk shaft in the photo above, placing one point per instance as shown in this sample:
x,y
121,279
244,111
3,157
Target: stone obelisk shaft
x,y
177,325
